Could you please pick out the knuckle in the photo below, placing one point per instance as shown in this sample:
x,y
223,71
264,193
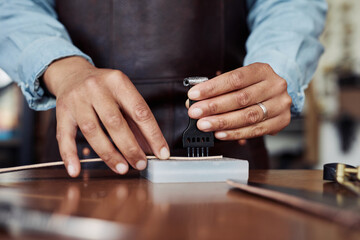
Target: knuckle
x,y
156,134
107,156
222,123
282,85
257,64
258,131
132,152
88,127
213,107
116,75
142,113
91,83
288,101
235,79
113,120
237,134
210,88
242,98
252,116
265,67
59,135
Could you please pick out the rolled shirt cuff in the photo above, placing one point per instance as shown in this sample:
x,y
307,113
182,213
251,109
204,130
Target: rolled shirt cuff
x,y
288,70
34,61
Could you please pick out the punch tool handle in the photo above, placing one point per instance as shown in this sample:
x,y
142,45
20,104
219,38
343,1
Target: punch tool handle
x,y
195,141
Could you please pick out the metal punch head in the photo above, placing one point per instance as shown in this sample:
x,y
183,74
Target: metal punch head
x,y
191,81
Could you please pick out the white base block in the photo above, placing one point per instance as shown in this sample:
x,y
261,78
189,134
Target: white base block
x,y
212,170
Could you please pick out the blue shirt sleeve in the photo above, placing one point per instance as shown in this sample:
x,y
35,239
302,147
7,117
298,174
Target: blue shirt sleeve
x,y
30,39
284,34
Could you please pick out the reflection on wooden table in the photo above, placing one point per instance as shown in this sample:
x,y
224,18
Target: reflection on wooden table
x,y
170,211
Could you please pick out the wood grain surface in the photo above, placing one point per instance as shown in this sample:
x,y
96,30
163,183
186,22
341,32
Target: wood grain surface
x,y
171,211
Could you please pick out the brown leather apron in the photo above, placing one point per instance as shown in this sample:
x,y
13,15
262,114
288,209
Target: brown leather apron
x,y
159,42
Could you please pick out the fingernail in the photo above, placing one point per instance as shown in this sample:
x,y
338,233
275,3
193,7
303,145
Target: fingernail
x,y
187,103
204,125
164,153
121,168
141,165
196,112
194,94
220,135
71,170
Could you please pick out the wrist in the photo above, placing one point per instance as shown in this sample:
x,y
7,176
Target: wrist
x,y
59,72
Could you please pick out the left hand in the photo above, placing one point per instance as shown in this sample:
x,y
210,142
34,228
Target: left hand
x,y
227,104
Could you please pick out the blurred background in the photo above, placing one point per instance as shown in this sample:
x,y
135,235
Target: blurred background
x,y
327,131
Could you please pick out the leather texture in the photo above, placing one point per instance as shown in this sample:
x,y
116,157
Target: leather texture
x,y
157,43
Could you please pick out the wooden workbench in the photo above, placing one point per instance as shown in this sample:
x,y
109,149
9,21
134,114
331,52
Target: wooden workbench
x,y
172,211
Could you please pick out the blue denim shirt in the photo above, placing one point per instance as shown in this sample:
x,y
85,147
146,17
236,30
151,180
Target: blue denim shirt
x,y
283,34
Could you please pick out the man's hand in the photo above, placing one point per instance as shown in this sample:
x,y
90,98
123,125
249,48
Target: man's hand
x,y
227,104
86,96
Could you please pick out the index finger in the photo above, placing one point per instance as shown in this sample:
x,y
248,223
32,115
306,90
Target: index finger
x,y
228,82
135,106
65,135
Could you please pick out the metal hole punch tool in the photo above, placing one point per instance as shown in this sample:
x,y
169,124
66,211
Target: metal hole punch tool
x,y
346,175
198,166
195,141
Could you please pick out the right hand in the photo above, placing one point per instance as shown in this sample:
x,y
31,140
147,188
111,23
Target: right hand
x,y
86,95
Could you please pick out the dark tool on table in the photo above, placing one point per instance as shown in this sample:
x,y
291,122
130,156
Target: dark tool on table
x,y
321,204
196,141
346,175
